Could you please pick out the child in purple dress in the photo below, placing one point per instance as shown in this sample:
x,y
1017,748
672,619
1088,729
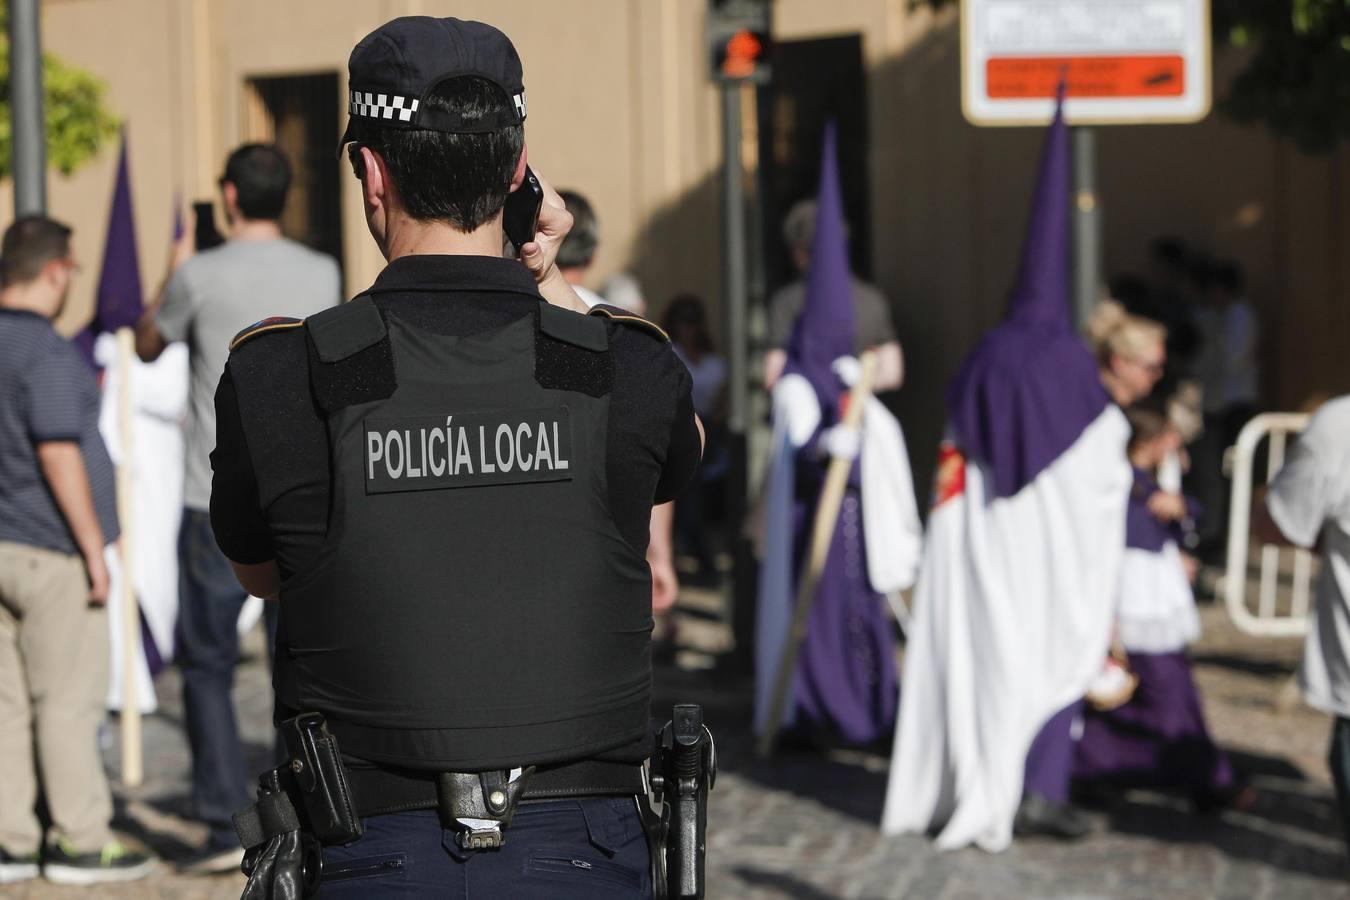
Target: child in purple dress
x,y
1158,737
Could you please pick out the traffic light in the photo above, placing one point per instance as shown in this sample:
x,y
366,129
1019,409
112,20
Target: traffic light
x,y
739,40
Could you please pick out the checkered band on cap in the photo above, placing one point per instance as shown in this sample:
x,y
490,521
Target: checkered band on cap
x,y
382,106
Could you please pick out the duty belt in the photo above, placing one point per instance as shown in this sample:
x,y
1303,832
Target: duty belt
x,y
377,791
316,801
318,793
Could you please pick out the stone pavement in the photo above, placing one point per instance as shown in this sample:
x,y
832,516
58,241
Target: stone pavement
x,y
805,825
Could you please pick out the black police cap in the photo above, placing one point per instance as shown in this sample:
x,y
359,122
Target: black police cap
x,y
391,72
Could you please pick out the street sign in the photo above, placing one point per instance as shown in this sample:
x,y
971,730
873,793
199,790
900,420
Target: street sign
x,y
739,39
1124,61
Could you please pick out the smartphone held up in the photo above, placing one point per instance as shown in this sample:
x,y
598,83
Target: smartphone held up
x,y
520,219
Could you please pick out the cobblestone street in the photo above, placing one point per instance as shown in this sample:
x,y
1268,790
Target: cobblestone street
x,y
805,826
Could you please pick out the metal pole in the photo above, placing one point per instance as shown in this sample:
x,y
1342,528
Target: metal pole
x,y
740,591
757,430
25,102
734,258
1087,256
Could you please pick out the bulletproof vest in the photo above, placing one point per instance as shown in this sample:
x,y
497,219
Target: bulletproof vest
x,y
475,605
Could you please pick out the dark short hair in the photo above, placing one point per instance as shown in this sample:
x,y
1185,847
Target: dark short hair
x,y
463,179
1148,419
578,248
29,244
261,175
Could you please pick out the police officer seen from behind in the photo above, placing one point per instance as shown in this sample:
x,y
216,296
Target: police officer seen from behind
x,y
447,481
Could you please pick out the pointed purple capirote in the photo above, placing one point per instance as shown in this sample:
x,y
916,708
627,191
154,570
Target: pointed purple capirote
x,y
1031,387
845,683
1042,292
823,331
119,300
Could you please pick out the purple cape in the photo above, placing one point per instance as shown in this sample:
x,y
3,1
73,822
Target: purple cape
x,y
1031,387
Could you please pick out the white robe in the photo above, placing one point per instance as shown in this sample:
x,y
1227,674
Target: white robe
x,y
159,401
892,532
1156,609
1012,620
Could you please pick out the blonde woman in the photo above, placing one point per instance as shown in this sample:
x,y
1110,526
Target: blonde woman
x,y
1131,352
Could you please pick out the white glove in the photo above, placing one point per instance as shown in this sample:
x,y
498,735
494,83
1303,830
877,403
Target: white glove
x,y
840,442
848,369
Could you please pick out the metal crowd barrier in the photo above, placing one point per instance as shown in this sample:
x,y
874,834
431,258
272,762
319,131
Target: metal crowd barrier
x,y
1281,595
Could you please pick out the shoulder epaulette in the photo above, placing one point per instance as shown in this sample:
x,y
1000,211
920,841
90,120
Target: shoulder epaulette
x,y
619,314
565,325
272,323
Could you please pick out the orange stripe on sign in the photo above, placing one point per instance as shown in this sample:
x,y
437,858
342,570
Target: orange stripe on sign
x,y
1024,77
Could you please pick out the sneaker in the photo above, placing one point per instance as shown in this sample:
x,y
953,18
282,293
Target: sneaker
x,y
17,868
213,861
115,862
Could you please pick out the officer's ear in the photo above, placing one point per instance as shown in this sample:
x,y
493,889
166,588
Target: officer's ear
x,y
375,177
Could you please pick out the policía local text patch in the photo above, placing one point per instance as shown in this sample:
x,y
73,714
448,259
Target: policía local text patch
x,y
425,453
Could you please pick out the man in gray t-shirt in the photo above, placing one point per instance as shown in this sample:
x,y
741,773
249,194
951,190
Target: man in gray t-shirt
x,y
872,327
210,297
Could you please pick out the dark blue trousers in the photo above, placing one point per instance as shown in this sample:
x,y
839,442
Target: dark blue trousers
x,y
588,849
209,600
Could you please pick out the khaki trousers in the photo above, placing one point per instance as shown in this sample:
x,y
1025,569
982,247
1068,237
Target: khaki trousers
x,y
54,650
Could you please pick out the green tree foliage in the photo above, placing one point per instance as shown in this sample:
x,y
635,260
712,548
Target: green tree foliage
x,y
78,123
1297,80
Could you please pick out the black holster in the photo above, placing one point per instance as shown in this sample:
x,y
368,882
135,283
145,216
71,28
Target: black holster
x,y
281,861
684,769
321,780
479,805
302,807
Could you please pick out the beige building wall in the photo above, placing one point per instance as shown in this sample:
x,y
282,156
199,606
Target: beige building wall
x,y
620,108
614,110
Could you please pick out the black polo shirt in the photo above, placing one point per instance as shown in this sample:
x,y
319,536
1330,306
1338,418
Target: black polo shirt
x,y
270,490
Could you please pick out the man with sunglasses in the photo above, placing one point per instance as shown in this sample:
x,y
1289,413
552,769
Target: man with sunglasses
x,y
209,297
57,511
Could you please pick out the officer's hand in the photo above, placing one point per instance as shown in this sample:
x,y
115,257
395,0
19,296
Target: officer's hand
x,y
665,584
540,255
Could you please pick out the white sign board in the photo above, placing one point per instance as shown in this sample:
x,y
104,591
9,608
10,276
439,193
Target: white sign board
x,y
1124,61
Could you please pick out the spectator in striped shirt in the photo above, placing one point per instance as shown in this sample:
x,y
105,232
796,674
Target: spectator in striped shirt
x,y
57,511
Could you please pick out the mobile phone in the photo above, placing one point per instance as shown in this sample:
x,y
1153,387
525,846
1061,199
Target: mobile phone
x,y
207,235
520,219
